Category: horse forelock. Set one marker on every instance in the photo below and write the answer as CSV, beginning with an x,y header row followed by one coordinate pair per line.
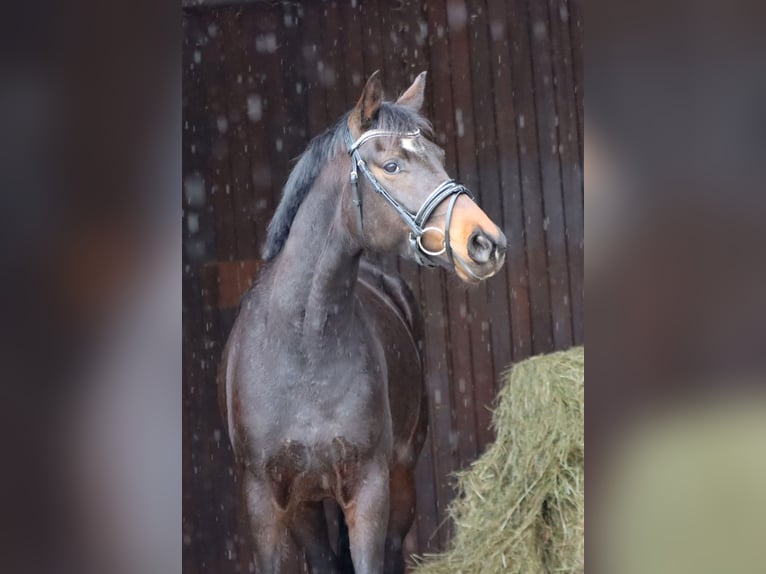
x,y
321,150
397,118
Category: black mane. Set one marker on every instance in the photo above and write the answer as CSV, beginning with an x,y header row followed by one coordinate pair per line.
x,y
318,153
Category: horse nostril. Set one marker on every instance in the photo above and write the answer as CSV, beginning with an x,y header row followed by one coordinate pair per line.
x,y
501,244
480,247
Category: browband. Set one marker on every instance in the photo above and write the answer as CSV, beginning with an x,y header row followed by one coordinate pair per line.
x,y
368,135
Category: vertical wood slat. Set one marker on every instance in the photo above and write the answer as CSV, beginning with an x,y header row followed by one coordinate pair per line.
x,y
352,54
221,488
199,215
193,157
266,25
213,70
470,303
237,50
575,10
311,27
570,159
293,77
493,69
549,152
506,132
332,62
199,542
496,334
531,184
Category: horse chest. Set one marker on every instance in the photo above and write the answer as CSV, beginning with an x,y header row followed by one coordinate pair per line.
x,y
298,398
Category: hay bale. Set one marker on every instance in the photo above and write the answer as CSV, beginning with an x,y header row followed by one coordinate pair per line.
x,y
520,506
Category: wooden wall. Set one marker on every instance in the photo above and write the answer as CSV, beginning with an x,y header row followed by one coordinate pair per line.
x,y
505,96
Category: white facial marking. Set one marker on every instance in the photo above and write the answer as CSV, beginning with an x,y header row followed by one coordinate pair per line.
x,y
410,144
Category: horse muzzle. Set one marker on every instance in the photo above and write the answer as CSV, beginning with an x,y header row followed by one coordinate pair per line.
x,y
482,256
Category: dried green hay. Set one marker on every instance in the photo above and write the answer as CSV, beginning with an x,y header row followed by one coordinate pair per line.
x,y
520,506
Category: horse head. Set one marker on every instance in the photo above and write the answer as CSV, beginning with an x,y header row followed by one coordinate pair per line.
x,y
403,200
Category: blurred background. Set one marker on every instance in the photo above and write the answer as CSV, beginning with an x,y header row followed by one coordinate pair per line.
x,y
90,385
676,275
505,94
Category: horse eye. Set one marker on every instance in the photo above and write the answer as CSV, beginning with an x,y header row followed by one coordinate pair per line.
x,y
391,167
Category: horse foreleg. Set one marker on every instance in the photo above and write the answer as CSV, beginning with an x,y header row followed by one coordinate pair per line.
x,y
367,519
267,532
309,529
401,516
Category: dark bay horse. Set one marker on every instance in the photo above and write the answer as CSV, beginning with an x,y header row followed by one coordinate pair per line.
x,y
321,384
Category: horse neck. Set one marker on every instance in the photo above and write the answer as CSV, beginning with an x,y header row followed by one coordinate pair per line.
x,y
318,267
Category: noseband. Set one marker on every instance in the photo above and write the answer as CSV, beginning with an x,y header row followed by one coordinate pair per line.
x,y
415,221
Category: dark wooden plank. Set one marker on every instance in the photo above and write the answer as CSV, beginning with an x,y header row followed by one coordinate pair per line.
x,y
550,169
192,102
476,319
510,181
199,222
247,201
193,549
202,545
271,55
571,171
290,49
439,400
198,237
331,67
234,278
352,53
372,37
531,187
213,62
259,145
233,551
214,464
312,31
492,343
577,34
238,47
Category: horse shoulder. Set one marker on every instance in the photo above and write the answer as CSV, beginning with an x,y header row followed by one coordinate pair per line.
x,y
396,318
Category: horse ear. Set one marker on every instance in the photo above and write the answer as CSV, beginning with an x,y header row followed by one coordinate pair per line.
x,y
368,105
414,95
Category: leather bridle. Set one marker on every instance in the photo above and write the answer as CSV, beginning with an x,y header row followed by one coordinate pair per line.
x,y
415,221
